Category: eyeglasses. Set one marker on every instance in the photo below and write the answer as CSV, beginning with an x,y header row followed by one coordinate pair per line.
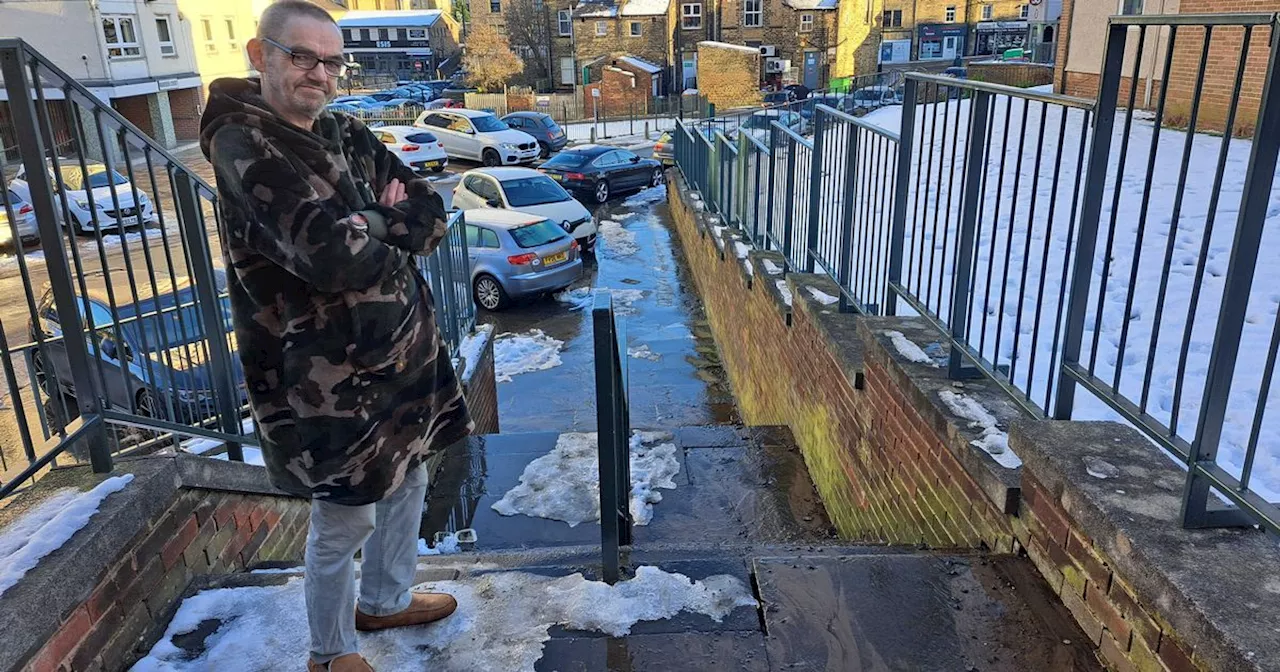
x,y
335,67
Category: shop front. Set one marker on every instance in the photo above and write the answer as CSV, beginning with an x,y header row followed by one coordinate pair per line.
x,y
941,41
996,37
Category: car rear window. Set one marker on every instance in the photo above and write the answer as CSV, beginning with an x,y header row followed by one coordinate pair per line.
x,y
538,233
421,138
538,190
568,160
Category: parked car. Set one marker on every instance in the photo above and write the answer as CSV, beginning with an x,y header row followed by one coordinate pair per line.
x,y
515,255
774,98
836,101
23,222
870,98
358,101
957,71
94,182
159,369
416,148
550,137
442,104
529,191
760,124
664,150
479,136
600,172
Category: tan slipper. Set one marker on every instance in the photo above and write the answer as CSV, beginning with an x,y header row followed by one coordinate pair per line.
x,y
425,608
352,662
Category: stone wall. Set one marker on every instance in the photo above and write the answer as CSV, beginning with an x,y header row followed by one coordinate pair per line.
x,y
729,75
894,464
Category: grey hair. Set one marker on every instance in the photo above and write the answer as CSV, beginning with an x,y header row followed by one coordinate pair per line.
x,y
274,19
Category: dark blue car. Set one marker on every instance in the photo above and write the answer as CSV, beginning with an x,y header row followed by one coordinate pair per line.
x,y
599,171
161,369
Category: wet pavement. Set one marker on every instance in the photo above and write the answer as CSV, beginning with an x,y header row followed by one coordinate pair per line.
x,y
675,374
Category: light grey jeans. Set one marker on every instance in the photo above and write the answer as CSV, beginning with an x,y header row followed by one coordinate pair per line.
x,y
388,532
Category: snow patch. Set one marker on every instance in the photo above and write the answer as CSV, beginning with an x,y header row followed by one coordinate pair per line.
x,y
49,525
908,349
741,249
771,268
584,298
565,483
618,241
725,45
514,354
472,347
280,570
784,290
502,623
648,196
993,440
447,545
821,296
201,446
643,352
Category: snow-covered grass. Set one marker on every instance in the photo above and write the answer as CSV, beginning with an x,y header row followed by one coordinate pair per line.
x,y
47,526
502,623
514,354
565,483
908,349
993,440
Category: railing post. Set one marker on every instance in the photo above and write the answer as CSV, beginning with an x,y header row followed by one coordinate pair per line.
x,y
613,434
815,191
773,169
845,268
976,148
1239,281
1090,217
790,207
902,186
32,150
226,399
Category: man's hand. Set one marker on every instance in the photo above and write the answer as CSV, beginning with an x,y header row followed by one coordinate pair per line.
x,y
392,194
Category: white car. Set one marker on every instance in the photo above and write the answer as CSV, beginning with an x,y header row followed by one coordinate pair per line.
x,y
416,148
79,190
479,136
529,191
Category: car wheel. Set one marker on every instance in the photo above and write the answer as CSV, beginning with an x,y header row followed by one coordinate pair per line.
x,y
490,158
489,293
40,373
602,191
145,405
657,178
544,150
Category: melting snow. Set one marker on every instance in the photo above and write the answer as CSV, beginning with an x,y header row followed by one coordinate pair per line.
x,y
784,290
643,352
908,349
47,526
565,483
821,296
584,298
771,268
201,446
993,440
618,241
448,545
472,347
514,354
502,623
649,196
741,249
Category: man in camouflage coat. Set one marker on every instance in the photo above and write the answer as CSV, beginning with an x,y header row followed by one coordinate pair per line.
x,y
346,372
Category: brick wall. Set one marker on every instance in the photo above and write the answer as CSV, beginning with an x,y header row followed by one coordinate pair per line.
x,y
480,387
1012,74
186,106
651,45
135,109
729,77
203,532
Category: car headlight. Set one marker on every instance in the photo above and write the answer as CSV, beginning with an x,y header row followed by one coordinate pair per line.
x,y
83,205
509,146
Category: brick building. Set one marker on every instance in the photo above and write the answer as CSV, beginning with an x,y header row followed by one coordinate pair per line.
x,y
859,37
998,25
605,29
627,85
797,38
729,74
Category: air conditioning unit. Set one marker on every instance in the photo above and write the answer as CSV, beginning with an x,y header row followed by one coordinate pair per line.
x,y
768,50
775,65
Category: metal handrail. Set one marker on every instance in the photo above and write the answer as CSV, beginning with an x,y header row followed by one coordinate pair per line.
x,y
613,417
1004,90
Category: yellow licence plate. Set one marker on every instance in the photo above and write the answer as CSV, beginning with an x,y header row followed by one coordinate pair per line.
x,y
556,177
555,259
431,164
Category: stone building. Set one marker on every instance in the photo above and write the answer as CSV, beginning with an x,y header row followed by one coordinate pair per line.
x,y
796,38
998,25
859,35
729,74
403,43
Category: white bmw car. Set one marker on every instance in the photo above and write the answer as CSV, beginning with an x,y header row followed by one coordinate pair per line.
x,y
89,197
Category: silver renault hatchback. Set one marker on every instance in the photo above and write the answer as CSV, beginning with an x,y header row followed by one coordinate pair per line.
x,y
515,255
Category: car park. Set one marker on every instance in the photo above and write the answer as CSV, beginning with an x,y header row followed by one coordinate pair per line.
x,y
89,196
529,191
544,129
416,148
515,255
479,136
599,171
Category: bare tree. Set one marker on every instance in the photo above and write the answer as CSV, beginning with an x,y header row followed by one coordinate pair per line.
x,y
529,33
488,60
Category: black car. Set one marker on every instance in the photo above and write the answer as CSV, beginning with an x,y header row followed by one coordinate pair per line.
x,y
600,171
544,129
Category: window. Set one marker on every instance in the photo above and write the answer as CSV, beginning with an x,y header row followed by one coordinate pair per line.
x,y
437,120
636,28
495,6
1024,11
393,34
383,34
478,237
566,23
350,35
122,39
1130,7
752,13
986,12
167,47
206,27
950,15
417,33
566,70
460,125
231,34
893,18
602,28
806,22
691,15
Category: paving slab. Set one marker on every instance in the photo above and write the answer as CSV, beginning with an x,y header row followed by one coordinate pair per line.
x,y
685,652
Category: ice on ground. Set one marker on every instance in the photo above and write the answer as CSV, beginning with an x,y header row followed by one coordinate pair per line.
x,y
502,623
47,526
908,349
446,546
584,298
648,196
514,354
821,296
565,483
472,347
618,241
771,268
994,440
643,352
784,290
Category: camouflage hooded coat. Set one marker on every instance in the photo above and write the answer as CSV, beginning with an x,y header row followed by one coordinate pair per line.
x,y
347,376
